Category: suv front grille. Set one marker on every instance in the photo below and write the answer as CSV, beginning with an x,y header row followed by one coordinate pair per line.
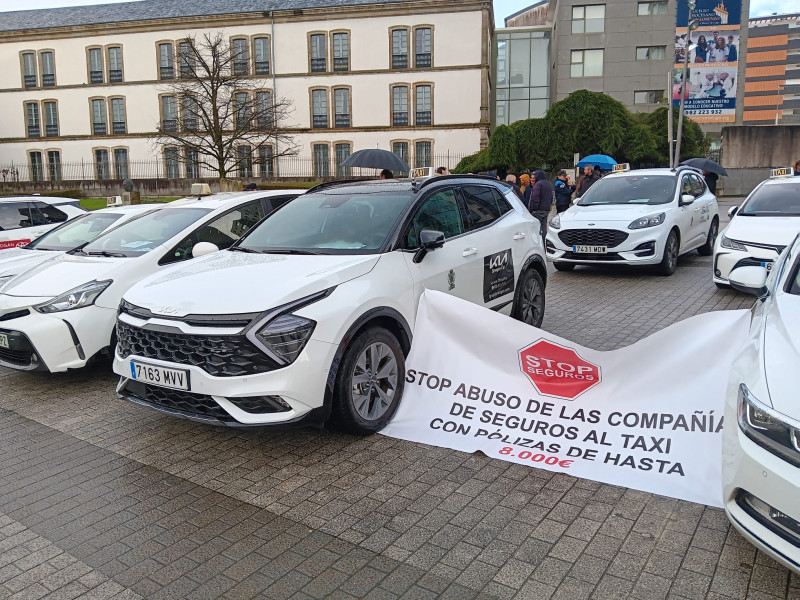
x,y
217,355
177,400
592,237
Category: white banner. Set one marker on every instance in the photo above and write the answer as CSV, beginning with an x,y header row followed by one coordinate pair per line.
x,y
647,417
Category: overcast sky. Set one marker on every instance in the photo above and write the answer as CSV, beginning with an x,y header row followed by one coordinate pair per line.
x,y
502,8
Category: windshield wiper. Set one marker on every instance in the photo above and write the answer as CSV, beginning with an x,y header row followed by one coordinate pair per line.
x,y
242,249
289,251
105,253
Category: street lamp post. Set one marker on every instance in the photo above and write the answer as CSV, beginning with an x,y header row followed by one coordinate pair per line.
x,y
691,25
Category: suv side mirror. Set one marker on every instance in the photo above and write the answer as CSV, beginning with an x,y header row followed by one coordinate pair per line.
x,y
732,211
750,280
686,199
203,248
429,240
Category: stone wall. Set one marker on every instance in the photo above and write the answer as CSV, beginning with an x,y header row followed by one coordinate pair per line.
x,y
760,146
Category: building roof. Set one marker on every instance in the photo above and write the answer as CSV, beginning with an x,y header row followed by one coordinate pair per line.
x,y
148,10
773,19
526,9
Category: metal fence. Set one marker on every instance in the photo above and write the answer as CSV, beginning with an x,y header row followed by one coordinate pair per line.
x,y
290,167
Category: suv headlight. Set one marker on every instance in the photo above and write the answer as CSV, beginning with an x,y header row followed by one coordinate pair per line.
x,y
286,336
645,222
732,244
555,222
83,295
767,428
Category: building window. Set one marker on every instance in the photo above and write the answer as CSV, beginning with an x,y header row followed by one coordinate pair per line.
x,y
652,8
118,115
241,58
422,151
319,109
169,118
399,48
189,112
423,47
261,55
120,163
648,97
99,117
50,109
341,52
171,164
37,167
244,160
399,105
341,105
192,163
588,19
96,65
48,69
187,60
166,62
29,69
342,152
101,165
651,52
264,117
401,150
32,117
241,101
586,63
318,53
115,64
423,104
266,161
54,165
321,162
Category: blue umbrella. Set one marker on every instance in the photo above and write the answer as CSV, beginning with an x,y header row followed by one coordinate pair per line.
x,y
601,160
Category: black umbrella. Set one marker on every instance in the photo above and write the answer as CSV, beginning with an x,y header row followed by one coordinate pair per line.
x,y
705,164
375,158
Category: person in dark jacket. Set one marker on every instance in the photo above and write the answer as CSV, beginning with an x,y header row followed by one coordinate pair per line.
x,y
711,181
563,191
587,180
540,199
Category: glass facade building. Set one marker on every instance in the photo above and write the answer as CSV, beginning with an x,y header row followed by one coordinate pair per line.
x,y
522,74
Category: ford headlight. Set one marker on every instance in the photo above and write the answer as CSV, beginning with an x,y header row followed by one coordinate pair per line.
x,y
645,222
286,336
767,428
732,244
555,222
79,297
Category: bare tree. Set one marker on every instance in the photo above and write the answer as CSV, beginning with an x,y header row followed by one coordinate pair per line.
x,y
216,113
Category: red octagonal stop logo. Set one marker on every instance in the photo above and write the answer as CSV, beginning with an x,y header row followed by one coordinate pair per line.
x,y
557,371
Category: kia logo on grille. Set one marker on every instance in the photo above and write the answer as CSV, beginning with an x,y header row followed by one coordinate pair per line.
x,y
591,224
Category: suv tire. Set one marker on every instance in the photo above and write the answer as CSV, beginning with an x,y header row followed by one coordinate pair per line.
x,y
529,299
669,260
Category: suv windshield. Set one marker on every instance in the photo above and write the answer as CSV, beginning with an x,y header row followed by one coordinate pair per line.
x,y
139,236
782,200
329,223
75,232
631,189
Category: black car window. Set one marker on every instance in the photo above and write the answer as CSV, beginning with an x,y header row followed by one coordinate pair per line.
x,y
686,185
481,205
439,213
275,202
50,213
698,187
502,204
14,215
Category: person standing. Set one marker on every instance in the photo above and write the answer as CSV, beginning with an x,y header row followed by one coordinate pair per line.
x,y
387,174
524,182
512,179
797,168
563,190
586,181
711,181
540,200
733,53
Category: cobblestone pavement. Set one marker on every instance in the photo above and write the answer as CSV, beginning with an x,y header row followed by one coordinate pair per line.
x,y
102,499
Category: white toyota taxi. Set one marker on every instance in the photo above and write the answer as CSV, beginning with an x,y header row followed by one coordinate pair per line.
x,y
59,314
765,223
310,315
25,218
761,437
641,217
67,236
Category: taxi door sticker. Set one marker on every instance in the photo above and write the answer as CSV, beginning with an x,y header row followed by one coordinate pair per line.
x,y
13,244
498,275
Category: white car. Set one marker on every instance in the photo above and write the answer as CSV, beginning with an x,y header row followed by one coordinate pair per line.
x,y
59,314
67,236
766,222
761,437
311,314
641,217
25,218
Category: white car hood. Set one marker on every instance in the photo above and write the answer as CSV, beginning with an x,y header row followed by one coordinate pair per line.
x,y
775,231
22,260
234,282
782,353
598,213
62,273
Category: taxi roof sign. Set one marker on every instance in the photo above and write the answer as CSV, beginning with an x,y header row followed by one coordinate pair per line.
x,y
421,173
114,201
781,172
621,168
